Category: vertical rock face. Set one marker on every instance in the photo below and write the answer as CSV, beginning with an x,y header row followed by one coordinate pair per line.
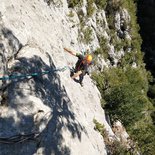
x,y
45,114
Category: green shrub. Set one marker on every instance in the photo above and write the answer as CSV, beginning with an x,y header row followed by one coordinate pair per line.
x,y
144,135
74,3
104,49
90,8
87,35
71,14
134,27
116,148
126,104
125,93
100,82
124,89
101,4
103,41
113,6
110,21
99,127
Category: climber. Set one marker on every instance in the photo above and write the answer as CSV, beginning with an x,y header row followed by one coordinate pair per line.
x,y
81,66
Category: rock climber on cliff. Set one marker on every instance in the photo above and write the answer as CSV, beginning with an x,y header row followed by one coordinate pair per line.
x,y
81,66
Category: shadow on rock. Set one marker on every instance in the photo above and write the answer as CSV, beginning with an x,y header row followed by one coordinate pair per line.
x,y
48,89
14,43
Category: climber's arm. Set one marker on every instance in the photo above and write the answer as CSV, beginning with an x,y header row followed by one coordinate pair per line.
x,y
71,52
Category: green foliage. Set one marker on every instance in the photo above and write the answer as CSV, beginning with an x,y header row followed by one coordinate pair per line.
x,y
90,8
136,39
103,50
101,4
125,93
124,89
118,149
113,6
100,81
71,14
87,31
132,57
87,35
110,20
115,147
74,3
124,44
103,41
126,104
99,127
144,134
118,43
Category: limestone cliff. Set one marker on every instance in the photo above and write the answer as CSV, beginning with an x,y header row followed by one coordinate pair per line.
x,y
46,114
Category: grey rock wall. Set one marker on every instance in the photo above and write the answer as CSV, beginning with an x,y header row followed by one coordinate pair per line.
x,y
46,114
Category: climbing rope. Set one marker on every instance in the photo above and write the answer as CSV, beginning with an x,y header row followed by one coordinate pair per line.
x,y
19,138
20,76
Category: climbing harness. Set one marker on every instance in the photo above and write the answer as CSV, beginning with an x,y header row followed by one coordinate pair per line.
x,y
21,76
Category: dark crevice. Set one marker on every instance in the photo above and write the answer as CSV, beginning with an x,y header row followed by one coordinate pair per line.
x,y
146,20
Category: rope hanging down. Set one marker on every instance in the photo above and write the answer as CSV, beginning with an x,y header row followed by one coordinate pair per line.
x,y
20,76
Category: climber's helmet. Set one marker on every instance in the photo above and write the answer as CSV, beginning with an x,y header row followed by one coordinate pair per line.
x,y
88,58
